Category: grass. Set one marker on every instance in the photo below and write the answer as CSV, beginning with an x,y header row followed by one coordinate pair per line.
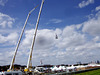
x,y
94,72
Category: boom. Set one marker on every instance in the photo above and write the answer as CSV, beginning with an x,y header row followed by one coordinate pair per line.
x,y
32,45
13,59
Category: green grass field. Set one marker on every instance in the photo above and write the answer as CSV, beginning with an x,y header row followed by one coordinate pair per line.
x,y
94,72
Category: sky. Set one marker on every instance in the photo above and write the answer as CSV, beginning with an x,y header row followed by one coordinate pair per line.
x,y
76,23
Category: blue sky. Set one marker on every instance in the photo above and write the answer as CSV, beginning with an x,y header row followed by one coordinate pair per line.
x,y
76,22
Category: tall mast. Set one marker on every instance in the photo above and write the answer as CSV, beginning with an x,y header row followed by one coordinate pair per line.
x,y
32,45
13,59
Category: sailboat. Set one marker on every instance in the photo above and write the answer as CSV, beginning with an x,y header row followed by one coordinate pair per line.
x,y
27,70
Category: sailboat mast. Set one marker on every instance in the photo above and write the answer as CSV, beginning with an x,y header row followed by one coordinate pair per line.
x,y
13,59
32,45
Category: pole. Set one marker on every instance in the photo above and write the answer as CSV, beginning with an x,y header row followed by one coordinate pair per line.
x,y
31,50
13,59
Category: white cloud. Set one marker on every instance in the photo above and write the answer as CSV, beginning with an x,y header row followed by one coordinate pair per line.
x,y
6,21
7,46
10,38
92,26
2,39
85,3
70,38
3,2
28,37
44,38
54,21
71,44
97,8
96,39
